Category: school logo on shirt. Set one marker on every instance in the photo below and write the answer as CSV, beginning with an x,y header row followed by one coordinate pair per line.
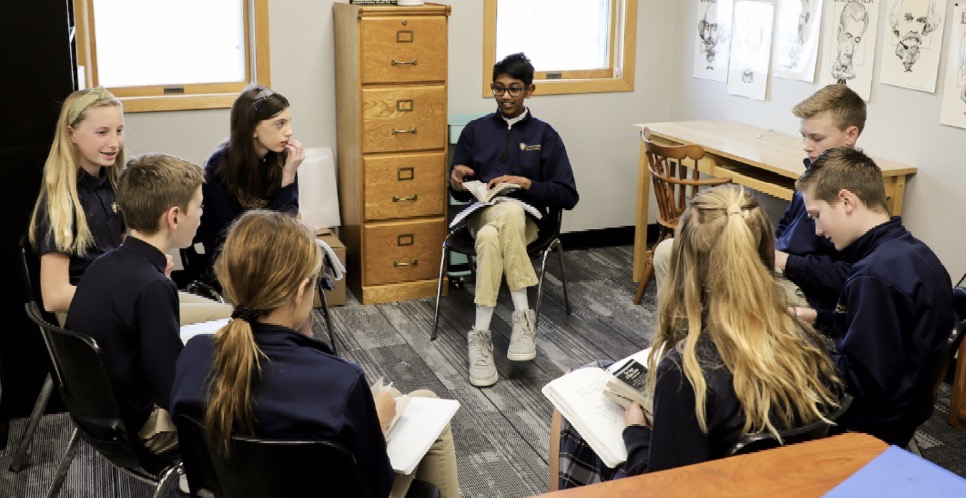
x,y
525,147
114,207
840,309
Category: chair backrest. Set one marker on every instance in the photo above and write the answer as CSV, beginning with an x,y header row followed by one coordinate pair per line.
x,y
87,390
30,262
750,443
946,355
268,467
674,171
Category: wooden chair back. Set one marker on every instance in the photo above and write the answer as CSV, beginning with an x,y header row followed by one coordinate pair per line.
x,y
674,171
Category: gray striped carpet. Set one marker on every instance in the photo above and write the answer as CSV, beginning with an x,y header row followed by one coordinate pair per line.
x,y
501,432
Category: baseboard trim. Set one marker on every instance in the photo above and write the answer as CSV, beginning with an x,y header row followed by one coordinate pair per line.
x,y
604,237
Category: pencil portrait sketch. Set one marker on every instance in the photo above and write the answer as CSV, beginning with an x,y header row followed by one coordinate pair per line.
x,y
848,45
713,39
853,22
916,34
750,49
953,112
796,38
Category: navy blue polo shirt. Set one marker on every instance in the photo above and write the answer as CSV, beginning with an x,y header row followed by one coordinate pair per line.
x,y
127,304
99,201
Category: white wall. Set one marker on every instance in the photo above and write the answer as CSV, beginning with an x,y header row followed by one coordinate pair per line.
x,y
596,128
902,125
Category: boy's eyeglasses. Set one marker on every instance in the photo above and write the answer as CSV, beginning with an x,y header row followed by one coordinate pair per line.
x,y
515,91
264,94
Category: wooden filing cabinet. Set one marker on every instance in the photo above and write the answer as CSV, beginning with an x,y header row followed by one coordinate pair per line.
x,y
391,112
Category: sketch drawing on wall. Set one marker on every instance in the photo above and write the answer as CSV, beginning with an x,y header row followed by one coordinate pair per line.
x,y
750,49
953,112
849,45
917,33
713,39
796,38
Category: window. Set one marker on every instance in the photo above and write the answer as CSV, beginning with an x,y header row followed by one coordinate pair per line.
x,y
578,46
168,55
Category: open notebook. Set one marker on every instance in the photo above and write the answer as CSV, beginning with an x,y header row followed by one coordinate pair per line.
x,y
420,423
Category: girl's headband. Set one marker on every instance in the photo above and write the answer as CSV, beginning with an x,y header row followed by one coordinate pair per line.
x,y
85,101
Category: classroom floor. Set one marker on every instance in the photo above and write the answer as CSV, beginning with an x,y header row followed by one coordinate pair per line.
x,y
501,432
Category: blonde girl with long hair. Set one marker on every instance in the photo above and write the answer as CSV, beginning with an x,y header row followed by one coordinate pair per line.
x,y
728,358
259,375
75,218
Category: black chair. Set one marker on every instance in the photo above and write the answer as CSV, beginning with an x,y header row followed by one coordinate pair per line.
x,y
459,240
750,443
86,389
270,467
30,263
938,372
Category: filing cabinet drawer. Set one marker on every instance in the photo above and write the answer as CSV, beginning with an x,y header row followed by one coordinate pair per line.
x,y
404,186
403,119
403,49
403,251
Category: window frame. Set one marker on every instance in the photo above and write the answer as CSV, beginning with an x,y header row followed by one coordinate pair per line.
x,y
576,81
180,97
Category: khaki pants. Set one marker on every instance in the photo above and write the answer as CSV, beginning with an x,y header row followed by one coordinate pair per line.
x,y
437,467
502,232
662,264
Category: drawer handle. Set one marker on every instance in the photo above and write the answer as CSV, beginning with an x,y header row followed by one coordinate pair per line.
x,y
414,62
405,199
396,264
396,132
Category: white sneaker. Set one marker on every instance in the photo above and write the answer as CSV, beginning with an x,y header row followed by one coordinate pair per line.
x,y
482,369
523,339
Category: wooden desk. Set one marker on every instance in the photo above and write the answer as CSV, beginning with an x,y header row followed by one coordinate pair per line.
x,y
765,160
803,469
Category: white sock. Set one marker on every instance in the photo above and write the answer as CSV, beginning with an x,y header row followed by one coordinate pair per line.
x,y
520,300
483,316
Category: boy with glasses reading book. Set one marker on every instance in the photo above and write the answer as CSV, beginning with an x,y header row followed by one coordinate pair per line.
x,y
509,146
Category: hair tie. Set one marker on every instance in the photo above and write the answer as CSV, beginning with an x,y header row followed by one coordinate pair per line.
x,y
93,95
734,210
245,313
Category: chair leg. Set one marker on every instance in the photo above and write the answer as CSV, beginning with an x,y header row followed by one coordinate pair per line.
x,y
563,275
645,279
169,477
18,457
439,291
328,320
543,271
64,465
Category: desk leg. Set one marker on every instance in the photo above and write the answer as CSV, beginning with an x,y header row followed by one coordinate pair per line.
x,y
643,203
957,402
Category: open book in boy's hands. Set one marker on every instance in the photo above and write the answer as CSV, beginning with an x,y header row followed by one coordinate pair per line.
x,y
486,196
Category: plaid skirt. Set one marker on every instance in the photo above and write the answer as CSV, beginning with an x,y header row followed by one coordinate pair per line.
x,y
579,465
